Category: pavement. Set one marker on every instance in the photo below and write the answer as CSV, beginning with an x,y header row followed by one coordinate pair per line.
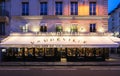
x,y
114,60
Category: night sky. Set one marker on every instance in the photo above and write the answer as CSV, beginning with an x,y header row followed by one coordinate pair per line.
x,y
112,4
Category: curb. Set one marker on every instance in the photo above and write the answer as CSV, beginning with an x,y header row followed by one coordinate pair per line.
x,y
60,64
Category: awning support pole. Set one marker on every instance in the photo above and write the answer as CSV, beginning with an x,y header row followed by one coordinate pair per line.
x,y
115,50
109,51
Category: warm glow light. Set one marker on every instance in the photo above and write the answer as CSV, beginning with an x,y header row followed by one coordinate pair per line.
x,y
101,30
116,33
35,28
83,10
82,29
67,29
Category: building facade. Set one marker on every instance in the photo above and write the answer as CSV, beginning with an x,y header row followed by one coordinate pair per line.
x,y
57,30
114,21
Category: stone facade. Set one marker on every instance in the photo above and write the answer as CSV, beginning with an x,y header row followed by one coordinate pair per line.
x,y
83,19
114,21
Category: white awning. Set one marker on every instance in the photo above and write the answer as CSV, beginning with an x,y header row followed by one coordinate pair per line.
x,y
60,41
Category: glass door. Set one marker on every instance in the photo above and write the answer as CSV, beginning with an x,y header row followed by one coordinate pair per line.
x,y
62,52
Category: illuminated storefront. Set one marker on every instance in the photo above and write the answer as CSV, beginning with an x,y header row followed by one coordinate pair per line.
x,y
56,46
57,30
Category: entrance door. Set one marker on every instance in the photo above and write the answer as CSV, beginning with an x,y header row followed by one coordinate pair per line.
x,y
63,52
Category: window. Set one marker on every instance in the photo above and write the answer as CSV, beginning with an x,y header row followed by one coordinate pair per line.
x,y
39,52
25,8
92,8
43,8
59,8
43,27
2,8
59,28
74,8
92,27
28,52
24,28
2,28
73,28
49,52
71,52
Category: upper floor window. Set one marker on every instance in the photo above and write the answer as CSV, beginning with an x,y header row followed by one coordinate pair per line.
x,y
43,27
2,8
25,8
92,27
24,28
59,28
59,8
2,28
92,8
73,27
74,8
43,8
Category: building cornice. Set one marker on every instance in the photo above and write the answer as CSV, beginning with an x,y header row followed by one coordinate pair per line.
x,y
62,17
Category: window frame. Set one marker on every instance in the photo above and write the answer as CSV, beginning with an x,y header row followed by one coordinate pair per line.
x,y
92,8
43,8
25,8
74,8
59,8
93,27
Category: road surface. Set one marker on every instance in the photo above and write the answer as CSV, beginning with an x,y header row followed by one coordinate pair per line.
x,y
59,70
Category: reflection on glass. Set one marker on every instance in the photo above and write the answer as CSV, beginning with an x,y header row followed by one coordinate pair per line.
x,y
99,52
29,52
71,52
90,52
39,52
80,52
19,52
49,52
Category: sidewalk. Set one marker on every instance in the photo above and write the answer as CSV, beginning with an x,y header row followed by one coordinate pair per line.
x,y
114,60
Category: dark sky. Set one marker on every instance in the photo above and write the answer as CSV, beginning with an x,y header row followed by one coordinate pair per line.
x,y
112,4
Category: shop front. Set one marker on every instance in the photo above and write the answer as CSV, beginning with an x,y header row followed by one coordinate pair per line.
x,y
55,48
54,54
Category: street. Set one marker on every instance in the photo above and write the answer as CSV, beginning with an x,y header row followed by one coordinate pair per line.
x,y
59,70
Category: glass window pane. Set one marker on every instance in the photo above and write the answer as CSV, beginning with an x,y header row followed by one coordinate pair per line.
x,y
43,8
74,8
58,8
92,8
25,8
